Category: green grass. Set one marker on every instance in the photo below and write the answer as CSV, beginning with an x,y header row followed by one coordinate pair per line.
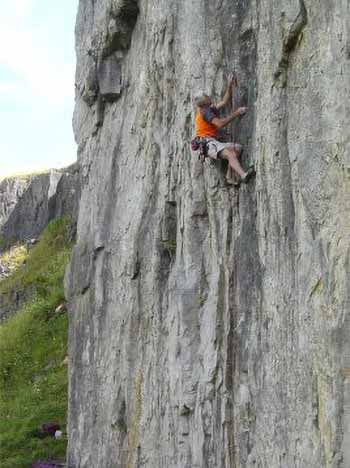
x,y
15,257
46,263
33,346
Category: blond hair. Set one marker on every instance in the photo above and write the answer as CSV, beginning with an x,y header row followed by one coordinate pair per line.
x,y
201,100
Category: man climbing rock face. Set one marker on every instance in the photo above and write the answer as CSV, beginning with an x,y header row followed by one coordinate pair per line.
x,y
209,126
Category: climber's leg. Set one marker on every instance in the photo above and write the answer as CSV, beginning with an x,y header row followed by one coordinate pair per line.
x,y
238,148
232,157
229,174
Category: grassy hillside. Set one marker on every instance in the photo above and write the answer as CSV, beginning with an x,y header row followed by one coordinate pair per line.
x,y
33,347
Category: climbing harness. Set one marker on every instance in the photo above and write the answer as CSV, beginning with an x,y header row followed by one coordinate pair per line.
x,y
200,144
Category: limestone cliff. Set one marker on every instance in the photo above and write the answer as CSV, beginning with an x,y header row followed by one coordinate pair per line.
x,y
27,211
209,325
28,203
11,190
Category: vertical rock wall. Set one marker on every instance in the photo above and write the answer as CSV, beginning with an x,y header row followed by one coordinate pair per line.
x,y
11,190
209,325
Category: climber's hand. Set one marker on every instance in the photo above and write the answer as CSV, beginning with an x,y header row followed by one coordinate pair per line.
x,y
242,110
233,80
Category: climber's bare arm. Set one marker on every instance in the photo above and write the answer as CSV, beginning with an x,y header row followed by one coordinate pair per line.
x,y
228,94
226,99
220,123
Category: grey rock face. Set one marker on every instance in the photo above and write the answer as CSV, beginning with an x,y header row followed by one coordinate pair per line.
x,y
109,78
29,215
27,205
65,200
102,53
209,325
11,190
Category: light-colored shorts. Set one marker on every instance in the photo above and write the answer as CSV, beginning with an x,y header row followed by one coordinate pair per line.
x,y
215,147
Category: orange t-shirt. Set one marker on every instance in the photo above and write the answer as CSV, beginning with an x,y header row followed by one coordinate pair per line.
x,y
203,127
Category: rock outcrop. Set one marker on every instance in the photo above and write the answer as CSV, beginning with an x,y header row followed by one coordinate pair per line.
x,y
209,326
27,204
11,190
65,200
29,215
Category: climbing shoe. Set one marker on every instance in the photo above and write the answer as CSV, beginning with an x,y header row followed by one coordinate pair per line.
x,y
232,181
249,175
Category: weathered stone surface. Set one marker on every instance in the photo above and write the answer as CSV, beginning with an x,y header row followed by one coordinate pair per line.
x,y
65,201
11,190
105,32
30,214
28,204
209,325
110,78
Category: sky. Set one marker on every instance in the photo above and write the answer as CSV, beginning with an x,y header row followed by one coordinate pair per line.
x,y
37,66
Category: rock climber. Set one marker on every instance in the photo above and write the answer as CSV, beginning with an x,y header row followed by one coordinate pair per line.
x,y
209,126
